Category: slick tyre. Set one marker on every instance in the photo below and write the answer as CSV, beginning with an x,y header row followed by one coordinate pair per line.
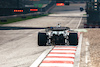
x,y
42,39
73,39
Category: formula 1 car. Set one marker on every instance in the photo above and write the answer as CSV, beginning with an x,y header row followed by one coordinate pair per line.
x,y
57,36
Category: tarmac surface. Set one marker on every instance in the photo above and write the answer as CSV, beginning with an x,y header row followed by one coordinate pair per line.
x,y
19,48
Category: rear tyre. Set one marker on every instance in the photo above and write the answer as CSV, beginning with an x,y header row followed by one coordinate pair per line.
x,y
42,39
73,39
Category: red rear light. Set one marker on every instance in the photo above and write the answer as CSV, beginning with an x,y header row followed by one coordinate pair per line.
x,y
33,9
18,10
59,4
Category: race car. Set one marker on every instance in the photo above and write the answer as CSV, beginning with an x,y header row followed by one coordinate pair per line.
x,y
58,36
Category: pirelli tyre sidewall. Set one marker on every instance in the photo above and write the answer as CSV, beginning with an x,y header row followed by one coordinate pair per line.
x,y
42,39
73,39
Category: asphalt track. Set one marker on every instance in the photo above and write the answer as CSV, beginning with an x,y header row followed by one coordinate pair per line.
x,y
18,44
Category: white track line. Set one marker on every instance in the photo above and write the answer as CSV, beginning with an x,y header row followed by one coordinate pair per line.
x,y
56,65
77,55
39,60
86,57
64,48
87,53
71,55
63,51
79,23
59,59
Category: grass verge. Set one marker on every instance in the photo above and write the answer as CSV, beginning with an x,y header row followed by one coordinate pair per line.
x,y
12,20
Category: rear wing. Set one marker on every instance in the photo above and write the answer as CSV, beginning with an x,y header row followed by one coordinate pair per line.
x,y
57,28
